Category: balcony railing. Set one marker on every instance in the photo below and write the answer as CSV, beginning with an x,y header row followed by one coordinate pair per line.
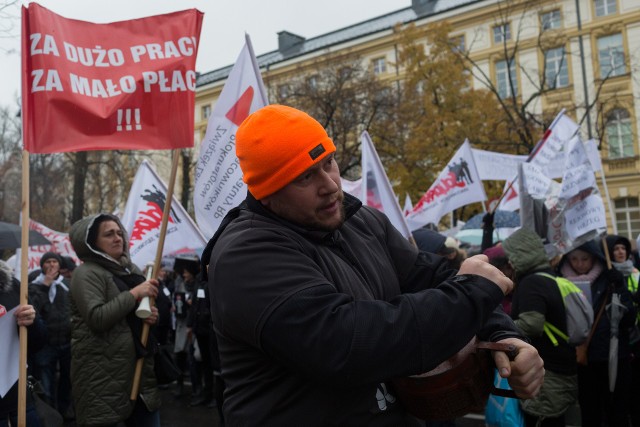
x,y
626,164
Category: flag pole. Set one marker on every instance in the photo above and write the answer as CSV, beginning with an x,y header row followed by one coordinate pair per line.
x,y
606,192
24,288
135,388
535,150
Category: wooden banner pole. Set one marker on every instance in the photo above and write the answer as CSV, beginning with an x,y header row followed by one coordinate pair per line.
x,y
135,388
24,289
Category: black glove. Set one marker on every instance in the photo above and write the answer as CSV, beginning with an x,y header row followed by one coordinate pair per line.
x,y
615,278
487,220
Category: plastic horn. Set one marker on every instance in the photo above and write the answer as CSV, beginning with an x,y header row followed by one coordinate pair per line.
x,y
144,309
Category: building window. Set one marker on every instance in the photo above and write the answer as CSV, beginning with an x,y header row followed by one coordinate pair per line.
x,y
205,111
501,33
551,20
313,81
283,91
611,56
457,43
507,83
628,217
379,65
605,7
555,68
619,136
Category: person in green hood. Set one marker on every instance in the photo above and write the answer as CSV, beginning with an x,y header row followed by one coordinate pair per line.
x,y
105,291
536,300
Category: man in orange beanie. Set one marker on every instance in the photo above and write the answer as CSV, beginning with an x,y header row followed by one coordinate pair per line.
x,y
317,301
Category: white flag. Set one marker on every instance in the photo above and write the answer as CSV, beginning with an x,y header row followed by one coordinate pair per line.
x,y
543,156
376,188
585,213
408,206
494,166
142,219
60,244
457,185
218,178
567,214
352,187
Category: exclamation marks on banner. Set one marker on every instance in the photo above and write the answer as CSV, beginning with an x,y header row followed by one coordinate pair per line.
x,y
124,119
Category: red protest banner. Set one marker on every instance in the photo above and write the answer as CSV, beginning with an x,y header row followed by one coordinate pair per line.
x,y
122,85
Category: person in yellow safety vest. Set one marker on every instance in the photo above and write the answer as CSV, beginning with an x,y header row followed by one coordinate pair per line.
x,y
620,253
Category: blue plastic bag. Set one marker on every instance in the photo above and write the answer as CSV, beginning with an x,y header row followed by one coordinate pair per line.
x,y
503,411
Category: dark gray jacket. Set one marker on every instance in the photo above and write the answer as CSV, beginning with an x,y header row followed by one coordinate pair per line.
x,y
311,324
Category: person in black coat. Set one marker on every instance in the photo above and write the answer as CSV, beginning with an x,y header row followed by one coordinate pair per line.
x,y
199,325
587,265
49,293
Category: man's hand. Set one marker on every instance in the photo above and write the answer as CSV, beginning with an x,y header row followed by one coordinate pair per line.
x,y
25,315
479,265
50,274
153,319
525,373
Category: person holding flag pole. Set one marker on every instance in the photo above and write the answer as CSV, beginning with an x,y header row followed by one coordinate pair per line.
x,y
138,111
335,301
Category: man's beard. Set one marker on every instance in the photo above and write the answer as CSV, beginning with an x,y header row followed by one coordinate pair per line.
x,y
321,227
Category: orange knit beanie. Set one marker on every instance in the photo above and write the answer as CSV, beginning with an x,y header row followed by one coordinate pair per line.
x,y
276,144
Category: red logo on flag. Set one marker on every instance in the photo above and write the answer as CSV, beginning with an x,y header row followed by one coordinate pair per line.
x,y
512,195
152,218
241,108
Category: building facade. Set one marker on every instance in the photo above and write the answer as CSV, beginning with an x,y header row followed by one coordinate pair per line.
x,y
547,54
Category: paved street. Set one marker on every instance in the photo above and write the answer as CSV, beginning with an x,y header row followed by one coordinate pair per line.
x,y
176,412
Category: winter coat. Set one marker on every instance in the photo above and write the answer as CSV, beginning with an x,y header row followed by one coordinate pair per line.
x,y
311,324
537,299
199,317
599,346
56,314
103,355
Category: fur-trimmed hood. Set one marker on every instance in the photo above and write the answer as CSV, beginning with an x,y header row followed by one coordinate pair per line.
x,y
6,277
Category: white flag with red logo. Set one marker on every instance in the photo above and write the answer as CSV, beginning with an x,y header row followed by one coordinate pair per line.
x,y
457,185
218,178
543,156
408,206
352,187
376,188
60,244
142,219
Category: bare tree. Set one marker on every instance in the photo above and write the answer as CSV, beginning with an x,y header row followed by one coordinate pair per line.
x,y
344,96
545,83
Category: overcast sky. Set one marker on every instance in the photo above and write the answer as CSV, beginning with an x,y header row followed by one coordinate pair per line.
x,y
224,25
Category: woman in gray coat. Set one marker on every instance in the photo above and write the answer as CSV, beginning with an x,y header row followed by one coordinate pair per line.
x,y
104,294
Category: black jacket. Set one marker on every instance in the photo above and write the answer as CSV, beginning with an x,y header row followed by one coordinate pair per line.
x,y
311,324
199,317
56,315
601,290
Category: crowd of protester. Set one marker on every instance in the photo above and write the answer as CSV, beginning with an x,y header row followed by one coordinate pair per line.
x,y
318,303
182,323
600,377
